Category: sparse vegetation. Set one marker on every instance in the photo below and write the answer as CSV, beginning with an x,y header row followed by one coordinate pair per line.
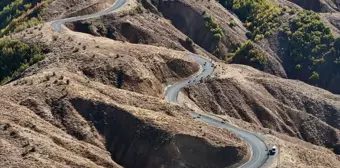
x,y
20,14
260,16
246,54
315,76
312,50
232,24
120,79
138,9
16,56
189,41
213,27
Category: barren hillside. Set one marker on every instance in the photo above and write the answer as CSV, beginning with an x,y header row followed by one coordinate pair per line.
x,y
72,97
282,105
93,94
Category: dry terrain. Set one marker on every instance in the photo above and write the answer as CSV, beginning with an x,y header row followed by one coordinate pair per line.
x,y
266,101
97,99
71,97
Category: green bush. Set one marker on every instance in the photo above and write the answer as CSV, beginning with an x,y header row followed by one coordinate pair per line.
x,y
309,50
259,37
232,24
260,16
309,41
315,76
213,27
248,55
16,56
217,37
249,35
10,12
298,67
312,48
139,8
189,41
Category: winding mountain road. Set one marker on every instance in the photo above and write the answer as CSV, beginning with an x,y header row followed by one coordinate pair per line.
x,y
56,25
257,146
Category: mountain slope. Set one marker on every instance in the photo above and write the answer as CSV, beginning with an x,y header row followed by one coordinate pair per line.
x,y
73,93
282,105
105,95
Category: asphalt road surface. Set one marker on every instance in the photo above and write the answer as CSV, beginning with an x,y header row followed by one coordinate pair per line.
x,y
56,25
257,146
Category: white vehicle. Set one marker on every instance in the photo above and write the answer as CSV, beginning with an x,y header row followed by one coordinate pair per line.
x,y
272,151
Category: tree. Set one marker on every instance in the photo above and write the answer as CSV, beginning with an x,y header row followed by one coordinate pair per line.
x,y
16,56
314,77
120,79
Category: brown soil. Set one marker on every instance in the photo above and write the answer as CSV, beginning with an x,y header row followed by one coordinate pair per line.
x,y
96,102
71,98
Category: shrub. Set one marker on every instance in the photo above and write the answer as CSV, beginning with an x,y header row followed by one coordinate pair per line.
x,y
232,24
120,79
259,37
16,56
310,42
247,54
260,16
298,67
315,76
139,8
189,41
213,27
249,35
217,37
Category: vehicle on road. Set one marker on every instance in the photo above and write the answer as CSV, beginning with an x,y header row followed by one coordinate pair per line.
x,y
272,151
223,121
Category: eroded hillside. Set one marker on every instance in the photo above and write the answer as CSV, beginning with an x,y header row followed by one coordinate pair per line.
x,y
73,96
93,94
282,105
